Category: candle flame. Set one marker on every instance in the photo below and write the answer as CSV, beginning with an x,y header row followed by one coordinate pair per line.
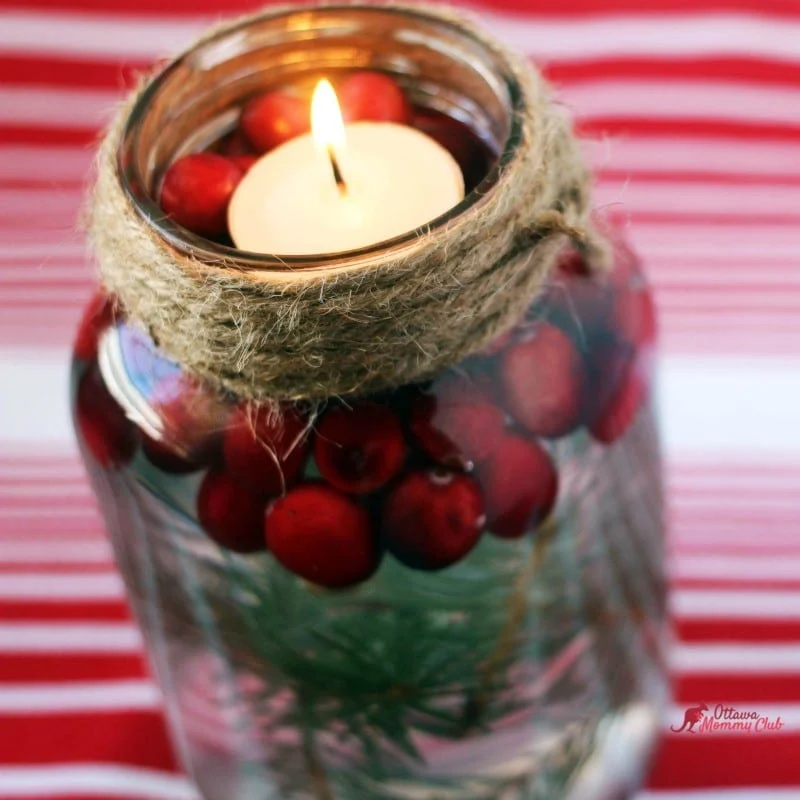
x,y
327,125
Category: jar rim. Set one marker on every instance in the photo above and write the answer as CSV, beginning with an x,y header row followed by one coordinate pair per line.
x,y
205,251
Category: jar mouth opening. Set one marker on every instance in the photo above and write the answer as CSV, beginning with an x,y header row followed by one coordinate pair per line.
x,y
139,186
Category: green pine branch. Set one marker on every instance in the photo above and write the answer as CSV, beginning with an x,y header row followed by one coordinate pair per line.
x,y
371,671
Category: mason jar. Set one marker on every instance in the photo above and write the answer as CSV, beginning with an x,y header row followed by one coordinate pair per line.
x,y
450,588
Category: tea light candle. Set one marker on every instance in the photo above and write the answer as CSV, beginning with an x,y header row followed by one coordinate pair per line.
x,y
342,188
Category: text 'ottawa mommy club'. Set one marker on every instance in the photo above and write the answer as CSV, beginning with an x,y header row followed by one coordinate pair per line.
x,y
700,719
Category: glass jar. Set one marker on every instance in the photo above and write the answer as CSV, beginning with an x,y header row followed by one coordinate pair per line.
x,y
452,589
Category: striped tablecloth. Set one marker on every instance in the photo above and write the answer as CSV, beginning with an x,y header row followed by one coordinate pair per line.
x,y
691,113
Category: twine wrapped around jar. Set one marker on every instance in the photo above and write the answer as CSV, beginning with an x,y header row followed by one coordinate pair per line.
x,y
389,317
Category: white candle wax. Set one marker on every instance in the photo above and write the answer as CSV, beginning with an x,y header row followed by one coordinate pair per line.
x,y
397,179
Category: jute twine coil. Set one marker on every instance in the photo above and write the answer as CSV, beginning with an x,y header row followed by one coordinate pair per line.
x,y
398,317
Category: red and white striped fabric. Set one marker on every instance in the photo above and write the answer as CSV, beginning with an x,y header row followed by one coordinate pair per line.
x,y
692,118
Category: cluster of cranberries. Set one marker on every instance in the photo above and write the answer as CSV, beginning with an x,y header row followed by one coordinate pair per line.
x,y
197,188
421,472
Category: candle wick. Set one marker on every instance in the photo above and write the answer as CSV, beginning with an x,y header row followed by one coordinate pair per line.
x,y
337,172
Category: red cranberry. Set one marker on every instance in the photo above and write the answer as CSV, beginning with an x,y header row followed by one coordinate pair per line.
x,y
244,162
626,263
571,263
633,317
373,96
322,536
108,434
271,119
519,485
458,424
231,514
471,154
235,144
196,192
359,449
543,378
451,134
620,391
192,417
266,450
433,518
98,316
632,314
